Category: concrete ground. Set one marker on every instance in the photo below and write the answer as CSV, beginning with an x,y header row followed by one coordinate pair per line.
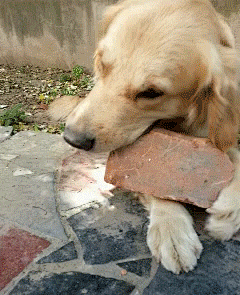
x,y
63,232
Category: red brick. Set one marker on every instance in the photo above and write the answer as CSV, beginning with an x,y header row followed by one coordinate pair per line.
x,y
171,166
17,249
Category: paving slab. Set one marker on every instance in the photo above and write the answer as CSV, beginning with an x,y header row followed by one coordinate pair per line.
x,y
28,162
65,253
141,267
105,251
114,233
39,144
71,283
5,132
217,273
18,249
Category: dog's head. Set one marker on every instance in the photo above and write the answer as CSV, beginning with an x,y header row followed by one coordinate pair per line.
x,y
159,60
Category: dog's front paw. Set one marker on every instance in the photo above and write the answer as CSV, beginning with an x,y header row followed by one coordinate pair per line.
x,y
224,221
174,242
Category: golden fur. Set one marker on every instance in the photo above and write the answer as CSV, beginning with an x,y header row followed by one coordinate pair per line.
x,y
183,53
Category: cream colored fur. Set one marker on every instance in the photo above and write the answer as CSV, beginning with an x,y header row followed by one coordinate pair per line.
x,y
61,108
185,49
171,236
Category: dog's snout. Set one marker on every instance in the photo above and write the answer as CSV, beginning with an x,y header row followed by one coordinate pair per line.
x,y
83,141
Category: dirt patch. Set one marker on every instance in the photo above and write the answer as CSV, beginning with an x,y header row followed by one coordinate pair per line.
x,y
35,88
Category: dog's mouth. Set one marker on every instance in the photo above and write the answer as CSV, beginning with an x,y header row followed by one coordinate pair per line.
x,y
88,142
168,124
174,125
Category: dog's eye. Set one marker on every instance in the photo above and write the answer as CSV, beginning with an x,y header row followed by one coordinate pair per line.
x,y
150,94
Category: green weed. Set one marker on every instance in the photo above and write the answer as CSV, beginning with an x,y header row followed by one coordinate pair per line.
x,y
77,71
65,78
13,116
86,82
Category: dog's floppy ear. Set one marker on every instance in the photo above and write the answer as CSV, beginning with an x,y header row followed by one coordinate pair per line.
x,y
109,15
226,36
223,109
112,11
216,101
223,115
215,104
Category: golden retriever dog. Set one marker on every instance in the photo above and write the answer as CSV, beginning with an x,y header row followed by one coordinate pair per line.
x,y
163,59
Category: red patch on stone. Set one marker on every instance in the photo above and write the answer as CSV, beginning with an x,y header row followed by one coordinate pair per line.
x,y
17,249
76,171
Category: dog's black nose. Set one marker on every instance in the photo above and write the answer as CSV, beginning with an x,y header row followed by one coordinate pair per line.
x,y
82,141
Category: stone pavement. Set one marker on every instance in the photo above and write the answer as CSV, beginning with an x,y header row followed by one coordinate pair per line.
x,y
62,231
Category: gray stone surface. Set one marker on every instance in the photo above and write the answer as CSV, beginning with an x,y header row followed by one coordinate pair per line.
x,y
108,253
65,253
217,273
39,144
141,267
28,162
115,233
5,133
71,283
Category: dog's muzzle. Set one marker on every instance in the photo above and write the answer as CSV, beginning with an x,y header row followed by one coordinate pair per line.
x,y
84,141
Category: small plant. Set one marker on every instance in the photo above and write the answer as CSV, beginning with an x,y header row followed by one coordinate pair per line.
x,y
86,82
53,92
69,90
46,99
23,70
54,129
65,78
12,116
48,96
62,127
36,127
77,72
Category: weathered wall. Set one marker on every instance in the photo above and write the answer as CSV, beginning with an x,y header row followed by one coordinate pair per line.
x,y
52,33
62,33
231,10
